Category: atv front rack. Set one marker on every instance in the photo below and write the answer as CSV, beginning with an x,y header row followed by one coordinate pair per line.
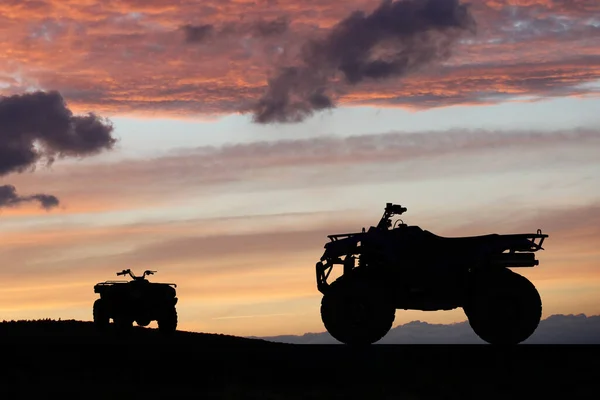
x,y
323,271
338,236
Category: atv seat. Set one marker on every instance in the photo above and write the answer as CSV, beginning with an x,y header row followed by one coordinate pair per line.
x,y
464,239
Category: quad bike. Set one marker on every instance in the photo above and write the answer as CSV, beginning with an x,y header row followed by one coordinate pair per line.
x,y
405,267
136,300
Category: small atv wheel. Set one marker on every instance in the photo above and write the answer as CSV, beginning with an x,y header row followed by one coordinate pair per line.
x,y
504,307
143,322
167,322
101,317
356,314
123,325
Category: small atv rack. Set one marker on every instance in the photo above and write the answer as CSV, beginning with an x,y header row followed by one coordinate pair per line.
x,y
108,283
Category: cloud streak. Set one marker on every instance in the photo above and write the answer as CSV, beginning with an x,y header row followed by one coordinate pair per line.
x,y
205,245
10,198
403,156
488,83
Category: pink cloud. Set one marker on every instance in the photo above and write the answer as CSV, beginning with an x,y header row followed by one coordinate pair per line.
x,y
131,57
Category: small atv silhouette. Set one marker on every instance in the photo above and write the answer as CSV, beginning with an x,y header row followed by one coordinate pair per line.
x,y
136,300
405,267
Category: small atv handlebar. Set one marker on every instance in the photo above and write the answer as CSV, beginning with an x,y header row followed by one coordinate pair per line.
x,y
128,272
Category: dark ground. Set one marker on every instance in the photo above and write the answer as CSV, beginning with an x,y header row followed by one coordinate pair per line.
x,y
69,359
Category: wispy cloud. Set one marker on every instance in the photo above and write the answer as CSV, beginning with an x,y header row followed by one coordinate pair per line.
x,y
10,198
209,170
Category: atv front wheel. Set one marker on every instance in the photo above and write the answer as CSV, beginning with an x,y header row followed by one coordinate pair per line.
x,y
504,307
101,317
356,314
167,323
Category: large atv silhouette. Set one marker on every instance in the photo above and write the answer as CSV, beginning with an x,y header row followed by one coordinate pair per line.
x,y
405,267
136,300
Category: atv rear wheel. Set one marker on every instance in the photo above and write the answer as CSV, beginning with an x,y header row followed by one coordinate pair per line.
x,y
355,313
503,307
101,317
167,322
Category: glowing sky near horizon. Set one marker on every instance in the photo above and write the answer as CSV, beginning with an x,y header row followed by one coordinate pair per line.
x,y
503,136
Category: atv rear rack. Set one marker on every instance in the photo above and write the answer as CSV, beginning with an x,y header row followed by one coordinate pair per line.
x,y
531,237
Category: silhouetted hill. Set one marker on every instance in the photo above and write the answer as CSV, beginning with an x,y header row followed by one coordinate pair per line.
x,y
556,329
52,331
69,359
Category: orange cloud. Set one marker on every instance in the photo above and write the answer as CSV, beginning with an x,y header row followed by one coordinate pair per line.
x,y
130,57
486,84
558,6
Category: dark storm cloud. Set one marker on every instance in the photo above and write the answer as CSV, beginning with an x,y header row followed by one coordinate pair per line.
x,y
10,198
276,26
395,39
197,34
259,28
39,126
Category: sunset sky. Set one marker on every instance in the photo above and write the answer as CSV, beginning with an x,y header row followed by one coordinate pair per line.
x,y
229,137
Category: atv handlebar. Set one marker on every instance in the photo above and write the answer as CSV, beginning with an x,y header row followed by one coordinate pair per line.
x,y
390,210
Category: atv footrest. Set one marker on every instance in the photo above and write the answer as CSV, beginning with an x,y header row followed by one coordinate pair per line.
x,y
514,260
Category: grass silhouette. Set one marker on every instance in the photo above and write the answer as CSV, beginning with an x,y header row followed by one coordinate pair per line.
x,y
69,358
